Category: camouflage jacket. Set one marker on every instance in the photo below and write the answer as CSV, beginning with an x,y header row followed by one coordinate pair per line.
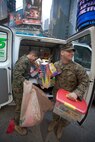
x,y
21,72
72,78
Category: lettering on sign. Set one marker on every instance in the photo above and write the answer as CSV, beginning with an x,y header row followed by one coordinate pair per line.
x,y
2,42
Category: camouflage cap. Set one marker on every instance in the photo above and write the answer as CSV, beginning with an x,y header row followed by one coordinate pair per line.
x,y
67,47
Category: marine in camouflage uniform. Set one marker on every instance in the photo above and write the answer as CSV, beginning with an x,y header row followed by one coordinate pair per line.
x,y
20,73
72,78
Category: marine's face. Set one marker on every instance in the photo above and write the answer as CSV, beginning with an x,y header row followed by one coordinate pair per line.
x,y
33,57
67,55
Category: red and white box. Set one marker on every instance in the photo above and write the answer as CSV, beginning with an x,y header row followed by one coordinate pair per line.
x,y
68,109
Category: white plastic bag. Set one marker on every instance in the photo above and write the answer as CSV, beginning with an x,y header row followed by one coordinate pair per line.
x,y
30,109
34,105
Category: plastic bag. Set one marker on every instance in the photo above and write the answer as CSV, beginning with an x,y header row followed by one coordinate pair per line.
x,y
30,109
44,102
34,105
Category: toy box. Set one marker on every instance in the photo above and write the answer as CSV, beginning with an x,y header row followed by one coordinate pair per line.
x,y
68,109
48,72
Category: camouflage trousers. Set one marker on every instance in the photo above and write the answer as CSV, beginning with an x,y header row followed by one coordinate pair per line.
x,y
61,120
17,96
56,117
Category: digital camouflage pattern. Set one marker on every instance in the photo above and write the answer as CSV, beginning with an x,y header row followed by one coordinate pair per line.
x,y
72,78
20,73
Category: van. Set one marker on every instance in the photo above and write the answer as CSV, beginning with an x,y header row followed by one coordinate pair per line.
x,y
15,44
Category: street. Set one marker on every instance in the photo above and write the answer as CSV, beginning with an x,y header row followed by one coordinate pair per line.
x,y
72,133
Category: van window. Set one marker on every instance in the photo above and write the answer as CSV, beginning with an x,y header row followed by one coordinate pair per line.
x,y
83,56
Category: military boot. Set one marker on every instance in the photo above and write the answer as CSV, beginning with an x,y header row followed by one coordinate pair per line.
x,y
21,130
59,131
61,125
52,125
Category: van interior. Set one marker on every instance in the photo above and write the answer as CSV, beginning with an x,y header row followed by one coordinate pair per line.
x,y
46,50
49,49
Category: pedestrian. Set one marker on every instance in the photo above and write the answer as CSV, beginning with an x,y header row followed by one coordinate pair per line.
x,y
73,78
20,73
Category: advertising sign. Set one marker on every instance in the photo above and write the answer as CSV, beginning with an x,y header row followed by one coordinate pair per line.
x,y
32,11
3,43
16,18
30,14
85,13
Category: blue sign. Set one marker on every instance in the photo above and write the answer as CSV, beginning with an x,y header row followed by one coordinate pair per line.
x,y
85,14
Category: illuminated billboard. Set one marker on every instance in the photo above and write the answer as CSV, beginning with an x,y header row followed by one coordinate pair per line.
x,y
85,14
16,18
31,14
32,11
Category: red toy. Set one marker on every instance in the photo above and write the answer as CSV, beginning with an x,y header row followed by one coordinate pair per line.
x,y
11,127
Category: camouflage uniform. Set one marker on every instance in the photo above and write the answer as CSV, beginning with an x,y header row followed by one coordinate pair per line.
x,y
72,78
20,73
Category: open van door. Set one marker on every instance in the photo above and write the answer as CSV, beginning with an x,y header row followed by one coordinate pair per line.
x,y
5,65
84,43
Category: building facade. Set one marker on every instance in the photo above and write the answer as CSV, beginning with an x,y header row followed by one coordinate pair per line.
x,y
11,4
63,18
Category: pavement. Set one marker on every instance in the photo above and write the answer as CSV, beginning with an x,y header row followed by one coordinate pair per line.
x,y
72,133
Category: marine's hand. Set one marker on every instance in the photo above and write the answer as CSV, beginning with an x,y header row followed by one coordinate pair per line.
x,y
72,96
26,81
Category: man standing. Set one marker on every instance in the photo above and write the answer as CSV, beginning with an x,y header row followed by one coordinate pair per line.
x,y
72,78
20,73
